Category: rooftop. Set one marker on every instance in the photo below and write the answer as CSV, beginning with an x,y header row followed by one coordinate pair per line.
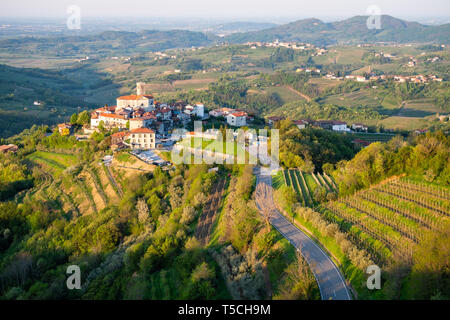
x,y
142,130
135,97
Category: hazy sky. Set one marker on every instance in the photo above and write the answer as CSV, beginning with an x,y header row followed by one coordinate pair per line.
x,y
223,8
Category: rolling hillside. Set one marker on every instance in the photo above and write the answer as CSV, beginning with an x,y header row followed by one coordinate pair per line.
x,y
117,42
352,30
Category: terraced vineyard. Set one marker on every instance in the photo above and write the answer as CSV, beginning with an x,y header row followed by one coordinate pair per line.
x,y
71,187
304,184
392,218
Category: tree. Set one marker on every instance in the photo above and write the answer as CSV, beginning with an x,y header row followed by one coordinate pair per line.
x,y
74,119
83,118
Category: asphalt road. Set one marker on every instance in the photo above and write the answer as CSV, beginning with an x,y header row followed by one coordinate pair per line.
x,y
331,282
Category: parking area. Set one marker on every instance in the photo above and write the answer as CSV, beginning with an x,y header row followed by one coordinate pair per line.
x,y
150,157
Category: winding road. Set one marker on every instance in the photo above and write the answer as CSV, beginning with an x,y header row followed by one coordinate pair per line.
x,y
331,283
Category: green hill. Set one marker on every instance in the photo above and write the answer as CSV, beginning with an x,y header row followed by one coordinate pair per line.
x,y
107,42
352,30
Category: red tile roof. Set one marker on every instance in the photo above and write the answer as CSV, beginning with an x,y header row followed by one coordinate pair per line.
x,y
239,114
135,97
120,134
111,115
106,108
9,147
142,130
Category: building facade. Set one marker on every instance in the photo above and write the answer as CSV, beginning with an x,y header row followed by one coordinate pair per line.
x,y
237,119
142,139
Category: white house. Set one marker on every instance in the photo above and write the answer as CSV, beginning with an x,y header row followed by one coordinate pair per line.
x,y
359,127
237,119
195,110
339,126
221,112
95,121
112,120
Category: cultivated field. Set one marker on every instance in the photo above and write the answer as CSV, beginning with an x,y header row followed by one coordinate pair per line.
x,y
390,219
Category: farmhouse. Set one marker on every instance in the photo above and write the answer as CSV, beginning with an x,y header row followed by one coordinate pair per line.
x,y
237,119
359,127
273,119
142,138
332,125
301,124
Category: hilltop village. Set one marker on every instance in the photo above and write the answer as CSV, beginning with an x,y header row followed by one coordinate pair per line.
x,y
140,122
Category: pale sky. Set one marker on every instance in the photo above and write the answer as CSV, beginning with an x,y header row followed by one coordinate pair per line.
x,y
223,8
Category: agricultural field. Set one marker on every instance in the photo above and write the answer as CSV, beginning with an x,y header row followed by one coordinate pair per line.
x,y
56,163
392,218
70,187
305,185
404,123
365,97
371,137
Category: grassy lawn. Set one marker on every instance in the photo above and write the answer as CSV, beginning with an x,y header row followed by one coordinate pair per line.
x,y
125,157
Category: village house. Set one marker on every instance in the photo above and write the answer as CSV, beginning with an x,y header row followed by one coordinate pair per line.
x,y
359,127
142,139
301,124
273,119
95,121
197,110
237,119
142,122
8,148
64,129
222,112
183,118
334,125
164,113
113,120
119,137
360,142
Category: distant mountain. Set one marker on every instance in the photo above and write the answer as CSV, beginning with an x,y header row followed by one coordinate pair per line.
x,y
349,31
234,27
117,42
